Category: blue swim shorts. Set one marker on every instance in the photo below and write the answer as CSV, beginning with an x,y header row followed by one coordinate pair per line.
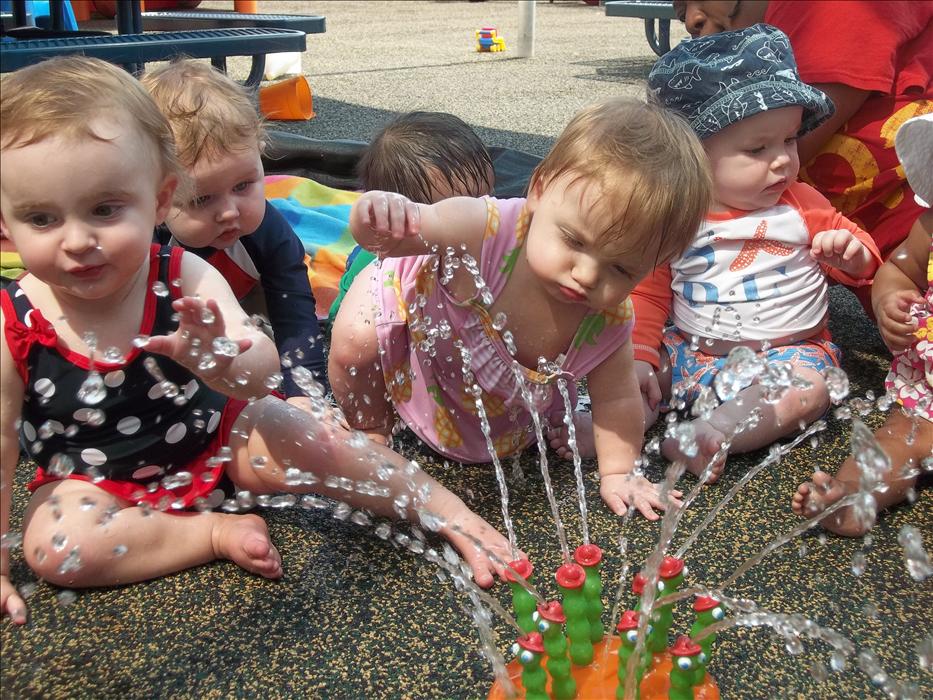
x,y
694,368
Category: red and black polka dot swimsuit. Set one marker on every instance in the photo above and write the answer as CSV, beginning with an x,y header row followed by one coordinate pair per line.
x,y
147,430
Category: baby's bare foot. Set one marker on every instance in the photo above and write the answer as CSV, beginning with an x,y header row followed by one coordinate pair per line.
x,y
244,540
586,443
818,494
708,442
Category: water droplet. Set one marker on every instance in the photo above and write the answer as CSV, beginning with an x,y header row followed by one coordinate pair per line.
x,y
66,597
225,347
92,390
11,540
72,562
819,671
61,465
159,288
858,563
207,362
207,316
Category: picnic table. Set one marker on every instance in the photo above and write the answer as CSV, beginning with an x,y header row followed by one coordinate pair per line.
x,y
657,15
213,35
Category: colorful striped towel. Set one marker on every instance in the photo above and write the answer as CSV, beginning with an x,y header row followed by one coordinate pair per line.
x,y
320,217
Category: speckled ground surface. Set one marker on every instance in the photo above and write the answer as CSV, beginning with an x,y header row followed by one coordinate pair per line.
x,y
355,617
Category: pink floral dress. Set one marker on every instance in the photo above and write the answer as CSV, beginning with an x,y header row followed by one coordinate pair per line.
x,y
425,334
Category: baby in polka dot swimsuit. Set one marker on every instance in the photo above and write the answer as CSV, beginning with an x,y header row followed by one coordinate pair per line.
x,y
131,375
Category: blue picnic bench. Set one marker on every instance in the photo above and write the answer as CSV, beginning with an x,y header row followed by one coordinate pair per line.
x,y
657,15
213,35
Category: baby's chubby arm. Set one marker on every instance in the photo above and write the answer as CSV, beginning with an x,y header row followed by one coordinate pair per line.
x,y
898,286
11,399
618,430
391,225
207,311
842,250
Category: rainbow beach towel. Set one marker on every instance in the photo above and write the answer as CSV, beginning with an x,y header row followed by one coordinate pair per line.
x,y
320,217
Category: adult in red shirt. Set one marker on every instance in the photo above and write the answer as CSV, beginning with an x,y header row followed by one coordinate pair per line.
x,y
875,61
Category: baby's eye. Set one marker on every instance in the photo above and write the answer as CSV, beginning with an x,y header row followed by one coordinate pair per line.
x,y
755,151
201,201
572,242
621,270
789,140
39,220
240,186
105,211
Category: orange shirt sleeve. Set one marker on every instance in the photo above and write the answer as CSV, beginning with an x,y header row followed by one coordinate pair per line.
x,y
651,300
819,215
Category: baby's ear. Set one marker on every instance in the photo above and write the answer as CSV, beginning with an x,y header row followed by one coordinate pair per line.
x,y
164,197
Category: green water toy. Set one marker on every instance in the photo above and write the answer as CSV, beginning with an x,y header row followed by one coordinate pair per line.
x,y
523,603
570,579
687,658
628,635
550,617
529,649
708,611
589,556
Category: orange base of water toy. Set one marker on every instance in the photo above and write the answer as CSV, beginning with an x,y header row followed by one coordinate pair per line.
x,y
601,682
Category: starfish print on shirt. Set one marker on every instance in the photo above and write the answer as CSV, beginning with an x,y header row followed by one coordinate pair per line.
x,y
750,250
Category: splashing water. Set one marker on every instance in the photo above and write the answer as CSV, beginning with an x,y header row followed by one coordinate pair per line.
x,y
915,556
577,461
542,459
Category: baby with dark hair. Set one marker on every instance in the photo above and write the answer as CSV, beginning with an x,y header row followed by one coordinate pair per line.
x,y
426,156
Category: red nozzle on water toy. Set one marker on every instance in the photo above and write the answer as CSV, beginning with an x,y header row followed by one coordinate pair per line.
x,y
704,603
522,567
533,642
685,647
570,576
588,555
628,622
671,567
552,612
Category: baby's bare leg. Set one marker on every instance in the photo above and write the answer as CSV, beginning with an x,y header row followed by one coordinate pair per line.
x,y
282,436
796,408
76,534
815,496
354,366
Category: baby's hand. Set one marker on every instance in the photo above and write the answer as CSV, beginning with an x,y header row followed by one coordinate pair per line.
x,y
895,322
379,220
10,601
619,491
840,249
200,324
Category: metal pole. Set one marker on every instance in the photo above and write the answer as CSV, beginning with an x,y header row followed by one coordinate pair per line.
x,y
526,29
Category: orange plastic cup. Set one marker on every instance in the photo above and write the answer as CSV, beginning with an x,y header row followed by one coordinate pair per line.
x,y
287,100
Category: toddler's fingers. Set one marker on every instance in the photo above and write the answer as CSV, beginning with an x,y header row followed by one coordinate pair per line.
x,y
379,213
16,609
644,507
412,219
398,216
852,249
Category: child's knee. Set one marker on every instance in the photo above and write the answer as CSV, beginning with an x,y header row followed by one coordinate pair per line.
x,y
807,405
64,537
